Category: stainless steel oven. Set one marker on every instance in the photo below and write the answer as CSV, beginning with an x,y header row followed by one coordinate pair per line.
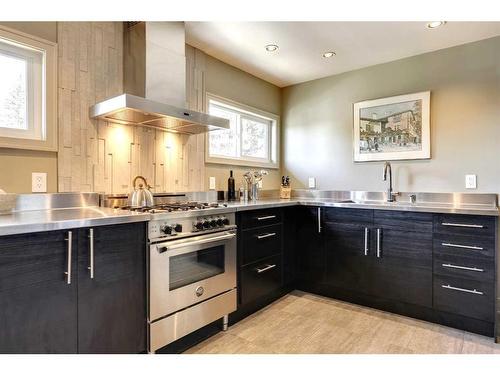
x,y
187,271
192,282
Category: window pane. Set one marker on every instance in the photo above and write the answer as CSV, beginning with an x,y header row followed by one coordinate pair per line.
x,y
13,93
254,138
224,142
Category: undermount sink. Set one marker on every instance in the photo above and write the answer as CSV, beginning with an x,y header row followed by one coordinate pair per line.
x,y
372,202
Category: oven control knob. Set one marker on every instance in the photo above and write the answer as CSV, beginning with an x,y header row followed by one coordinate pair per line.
x,y
199,225
220,223
213,223
167,229
225,221
206,224
178,228
199,291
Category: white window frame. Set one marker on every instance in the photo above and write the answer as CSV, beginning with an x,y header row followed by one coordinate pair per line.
x,y
252,113
42,112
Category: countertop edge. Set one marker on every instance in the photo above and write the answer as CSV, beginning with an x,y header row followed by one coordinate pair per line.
x,y
372,206
24,228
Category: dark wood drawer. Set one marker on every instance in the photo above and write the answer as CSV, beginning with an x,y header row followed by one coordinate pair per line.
x,y
403,220
475,246
257,218
481,269
260,243
465,225
348,215
260,279
465,297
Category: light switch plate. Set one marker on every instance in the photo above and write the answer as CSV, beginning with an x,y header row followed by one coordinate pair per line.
x,y
470,181
260,184
211,183
38,182
312,183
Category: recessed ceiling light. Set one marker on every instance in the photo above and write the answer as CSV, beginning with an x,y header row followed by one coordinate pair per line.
x,y
435,24
329,54
271,47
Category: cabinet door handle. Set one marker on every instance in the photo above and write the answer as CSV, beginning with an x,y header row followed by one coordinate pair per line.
x,y
261,236
366,241
463,225
266,217
70,250
461,246
319,219
266,268
378,242
91,252
447,265
473,291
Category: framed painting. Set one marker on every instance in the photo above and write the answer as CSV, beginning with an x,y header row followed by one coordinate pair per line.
x,y
393,128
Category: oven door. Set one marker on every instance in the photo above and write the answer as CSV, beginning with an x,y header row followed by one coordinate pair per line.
x,y
190,270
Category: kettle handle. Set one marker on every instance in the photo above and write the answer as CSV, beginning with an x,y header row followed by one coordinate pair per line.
x,y
146,185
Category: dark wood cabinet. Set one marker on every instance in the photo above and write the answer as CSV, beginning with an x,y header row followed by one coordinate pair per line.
x,y
402,267
261,242
349,264
260,257
38,311
310,247
470,298
385,254
112,304
402,246
290,245
465,265
261,279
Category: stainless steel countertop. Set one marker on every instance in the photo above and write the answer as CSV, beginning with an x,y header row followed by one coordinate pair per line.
x,y
396,206
65,218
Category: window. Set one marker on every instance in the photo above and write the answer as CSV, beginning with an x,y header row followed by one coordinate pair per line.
x,y
252,139
27,92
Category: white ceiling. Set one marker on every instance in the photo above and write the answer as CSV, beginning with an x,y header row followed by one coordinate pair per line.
x,y
301,44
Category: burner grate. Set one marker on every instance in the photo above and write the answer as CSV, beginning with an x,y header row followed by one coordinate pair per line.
x,y
175,206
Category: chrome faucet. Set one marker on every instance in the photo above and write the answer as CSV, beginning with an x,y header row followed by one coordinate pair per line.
x,y
390,194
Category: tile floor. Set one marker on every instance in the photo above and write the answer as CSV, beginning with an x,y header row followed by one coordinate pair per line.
x,y
305,323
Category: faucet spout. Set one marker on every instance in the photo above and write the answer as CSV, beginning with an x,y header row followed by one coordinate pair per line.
x,y
387,168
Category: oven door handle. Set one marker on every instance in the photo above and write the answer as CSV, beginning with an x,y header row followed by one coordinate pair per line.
x,y
195,241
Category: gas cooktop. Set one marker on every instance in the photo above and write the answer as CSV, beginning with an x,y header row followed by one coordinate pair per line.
x,y
175,206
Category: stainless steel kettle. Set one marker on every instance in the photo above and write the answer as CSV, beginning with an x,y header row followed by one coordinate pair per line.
x,y
141,196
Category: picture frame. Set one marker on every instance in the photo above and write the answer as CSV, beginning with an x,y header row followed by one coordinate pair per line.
x,y
392,128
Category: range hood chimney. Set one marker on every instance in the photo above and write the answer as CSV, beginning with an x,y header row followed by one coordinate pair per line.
x,y
155,83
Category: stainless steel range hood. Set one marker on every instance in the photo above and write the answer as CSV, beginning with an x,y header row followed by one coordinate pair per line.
x,y
129,109
154,81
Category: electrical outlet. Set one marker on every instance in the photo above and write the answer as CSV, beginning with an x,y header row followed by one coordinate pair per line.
x,y
470,181
211,183
38,182
312,183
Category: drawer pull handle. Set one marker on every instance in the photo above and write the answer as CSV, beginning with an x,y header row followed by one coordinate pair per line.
x,y
266,268
462,290
463,225
262,236
463,268
366,241
266,217
378,242
70,253
91,253
461,246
